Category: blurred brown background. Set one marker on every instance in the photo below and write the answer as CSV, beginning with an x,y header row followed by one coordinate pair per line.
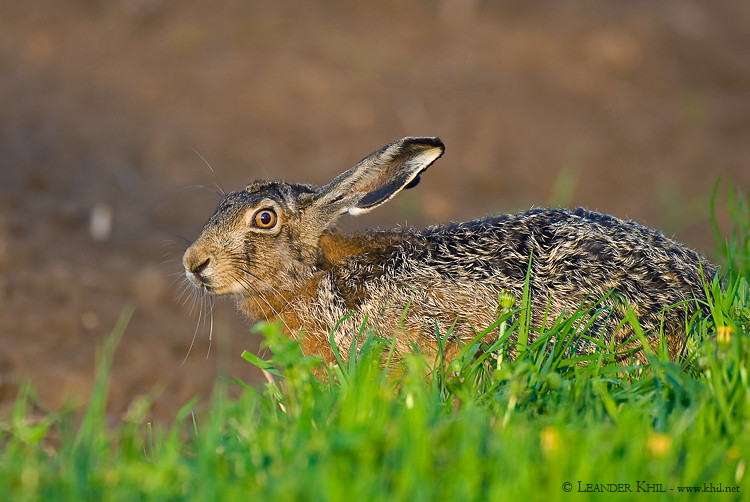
x,y
108,109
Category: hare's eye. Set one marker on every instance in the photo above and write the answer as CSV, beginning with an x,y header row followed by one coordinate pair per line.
x,y
265,218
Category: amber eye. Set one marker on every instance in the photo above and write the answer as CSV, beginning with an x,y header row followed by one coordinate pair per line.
x,y
265,218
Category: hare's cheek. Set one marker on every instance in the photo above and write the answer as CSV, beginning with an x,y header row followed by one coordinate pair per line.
x,y
250,248
260,254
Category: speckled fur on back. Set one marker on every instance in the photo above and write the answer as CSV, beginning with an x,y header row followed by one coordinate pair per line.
x,y
273,245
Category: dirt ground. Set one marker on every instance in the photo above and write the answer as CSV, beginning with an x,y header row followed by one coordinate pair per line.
x,y
108,110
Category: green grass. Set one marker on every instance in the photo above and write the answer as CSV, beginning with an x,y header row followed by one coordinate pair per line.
x,y
483,427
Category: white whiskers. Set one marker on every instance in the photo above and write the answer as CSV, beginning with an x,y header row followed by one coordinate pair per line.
x,y
204,303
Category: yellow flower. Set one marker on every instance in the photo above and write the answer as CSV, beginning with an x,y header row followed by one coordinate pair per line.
x,y
549,439
658,444
724,334
505,302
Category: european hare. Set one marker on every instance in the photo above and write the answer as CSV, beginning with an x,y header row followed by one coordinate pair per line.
x,y
273,245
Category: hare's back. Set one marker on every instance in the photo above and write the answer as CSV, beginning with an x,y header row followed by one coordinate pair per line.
x,y
570,251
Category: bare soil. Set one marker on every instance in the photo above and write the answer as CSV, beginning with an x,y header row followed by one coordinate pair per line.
x,y
108,110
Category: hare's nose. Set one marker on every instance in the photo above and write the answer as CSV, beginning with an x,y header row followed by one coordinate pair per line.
x,y
195,266
201,267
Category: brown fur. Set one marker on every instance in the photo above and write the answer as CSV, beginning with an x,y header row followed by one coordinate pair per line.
x,y
421,285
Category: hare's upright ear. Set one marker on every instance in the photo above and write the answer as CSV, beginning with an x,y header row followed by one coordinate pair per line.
x,y
376,179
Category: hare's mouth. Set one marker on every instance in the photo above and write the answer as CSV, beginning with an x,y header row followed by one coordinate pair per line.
x,y
197,280
210,283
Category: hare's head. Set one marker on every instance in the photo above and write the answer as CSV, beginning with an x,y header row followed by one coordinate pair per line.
x,y
267,235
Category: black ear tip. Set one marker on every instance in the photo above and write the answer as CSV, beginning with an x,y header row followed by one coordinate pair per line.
x,y
437,142
433,141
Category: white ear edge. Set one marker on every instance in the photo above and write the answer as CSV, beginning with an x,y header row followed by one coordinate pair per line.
x,y
355,211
